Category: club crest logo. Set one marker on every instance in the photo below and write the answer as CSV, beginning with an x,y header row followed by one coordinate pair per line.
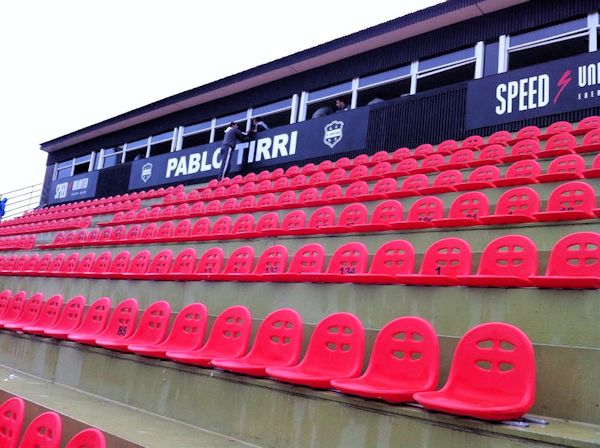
x,y
333,133
146,172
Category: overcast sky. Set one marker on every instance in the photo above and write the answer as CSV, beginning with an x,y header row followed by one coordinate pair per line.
x,y
67,64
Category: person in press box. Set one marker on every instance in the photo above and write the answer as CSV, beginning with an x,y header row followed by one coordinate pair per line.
x,y
233,135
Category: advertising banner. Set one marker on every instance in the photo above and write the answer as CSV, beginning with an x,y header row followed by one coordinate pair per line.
x,y
559,86
326,136
75,188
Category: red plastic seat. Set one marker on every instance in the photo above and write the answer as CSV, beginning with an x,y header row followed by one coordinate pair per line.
x,y
356,191
229,338
298,182
506,262
574,263
85,265
281,184
44,431
400,154
392,258
360,159
480,178
286,199
47,316
244,227
68,319
590,143
29,312
159,267
587,124
404,167
350,258
326,166
335,351
474,141
522,172
379,171
12,414
443,261
209,263
88,438
5,297
380,190
523,150
152,329
558,145
321,217
594,171
278,343
201,230
187,333
92,324
273,260
514,206
342,162
308,169
492,376
430,164
332,194
378,157
118,265
421,214
240,261
500,137
568,201
184,264
528,132
459,159
411,186
490,155
465,210
266,202
309,258
138,265
556,128
422,151
268,221
222,228
350,216
447,147
404,360
568,167
443,182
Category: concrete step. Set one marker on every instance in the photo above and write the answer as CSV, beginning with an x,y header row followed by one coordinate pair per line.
x,y
123,426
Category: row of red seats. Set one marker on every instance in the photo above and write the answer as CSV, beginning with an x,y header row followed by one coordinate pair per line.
x,y
520,173
404,361
484,176
47,226
568,201
475,142
507,261
44,431
17,242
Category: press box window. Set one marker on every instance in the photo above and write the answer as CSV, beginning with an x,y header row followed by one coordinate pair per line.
x,y
196,135
548,44
383,86
161,144
322,102
112,156
274,114
223,122
446,69
82,164
64,169
136,150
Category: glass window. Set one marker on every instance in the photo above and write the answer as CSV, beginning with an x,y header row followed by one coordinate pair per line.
x,y
446,59
548,52
224,121
452,75
195,128
325,107
383,92
137,144
330,92
112,156
165,136
64,169
197,139
384,77
160,148
549,32
82,164
272,108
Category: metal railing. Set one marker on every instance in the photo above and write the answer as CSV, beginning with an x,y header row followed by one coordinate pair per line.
x,y
21,200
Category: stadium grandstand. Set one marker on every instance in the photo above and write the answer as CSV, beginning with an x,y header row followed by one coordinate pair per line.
x,y
419,268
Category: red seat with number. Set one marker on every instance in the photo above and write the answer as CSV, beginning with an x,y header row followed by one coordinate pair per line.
x,y
443,261
480,178
590,143
384,214
278,343
335,351
492,376
350,258
240,261
558,145
93,323
392,258
308,259
523,150
421,214
571,200
522,172
68,321
465,210
272,261
568,167
47,317
443,182
404,360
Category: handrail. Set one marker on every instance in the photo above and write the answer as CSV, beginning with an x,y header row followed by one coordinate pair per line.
x,y
21,200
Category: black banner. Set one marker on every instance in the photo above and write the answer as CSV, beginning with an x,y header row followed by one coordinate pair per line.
x,y
329,135
559,86
75,188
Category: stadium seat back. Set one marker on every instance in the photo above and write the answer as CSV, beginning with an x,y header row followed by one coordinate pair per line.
x,y
492,152
161,263
266,200
182,229
527,147
500,137
384,186
50,312
337,175
281,183
44,431
415,182
322,217
278,340
15,306
509,255
230,332
529,132
317,178
118,233
201,227
211,261
268,221
523,168
272,261
70,263
357,188
447,178
350,258
240,261
400,153
286,198
56,263
461,157
134,232
469,205
88,438
572,196
247,202
406,165
426,209
423,150
518,201
559,127
244,224
71,314
448,256
185,262
574,255
353,214
562,142
86,262
308,195
309,258
569,163
12,414
486,173
153,325
139,263
96,317
222,226
120,263
394,257
149,232
336,347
